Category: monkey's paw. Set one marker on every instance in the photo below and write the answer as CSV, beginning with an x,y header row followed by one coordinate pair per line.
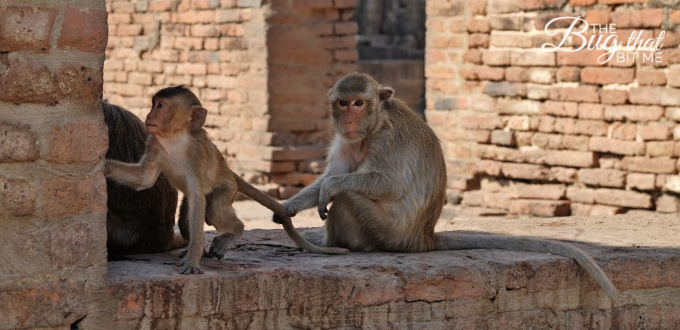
x,y
223,243
279,219
184,253
323,211
188,270
107,168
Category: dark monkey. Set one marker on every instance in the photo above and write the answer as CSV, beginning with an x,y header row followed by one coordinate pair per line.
x,y
136,221
179,147
386,176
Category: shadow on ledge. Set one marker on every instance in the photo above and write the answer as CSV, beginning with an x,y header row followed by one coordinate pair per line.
x,y
268,283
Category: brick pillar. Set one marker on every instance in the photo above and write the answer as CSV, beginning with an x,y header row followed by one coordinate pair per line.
x,y
52,144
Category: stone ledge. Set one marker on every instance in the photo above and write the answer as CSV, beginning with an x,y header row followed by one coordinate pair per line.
x,y
270,284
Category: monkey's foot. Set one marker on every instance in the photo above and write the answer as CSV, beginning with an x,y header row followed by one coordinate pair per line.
x,y
188,270
205,254
223,243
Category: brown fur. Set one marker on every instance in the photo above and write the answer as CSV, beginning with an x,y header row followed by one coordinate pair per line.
x,y
388,184
179,148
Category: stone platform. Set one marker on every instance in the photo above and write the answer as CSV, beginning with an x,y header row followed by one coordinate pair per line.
x,y
267,283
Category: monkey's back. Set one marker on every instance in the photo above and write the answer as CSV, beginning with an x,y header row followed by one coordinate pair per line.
x,y
136,221
424,170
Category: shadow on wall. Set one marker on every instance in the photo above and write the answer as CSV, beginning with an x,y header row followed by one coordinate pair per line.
x,y
391,42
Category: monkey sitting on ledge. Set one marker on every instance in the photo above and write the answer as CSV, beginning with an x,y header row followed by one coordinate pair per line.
x,y
386,176
179,147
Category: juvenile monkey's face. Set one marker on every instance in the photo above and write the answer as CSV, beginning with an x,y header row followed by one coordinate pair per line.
x,y
158,117
349,115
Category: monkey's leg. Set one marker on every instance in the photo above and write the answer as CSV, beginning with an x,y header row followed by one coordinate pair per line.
x,y
221,214
183,224
190,262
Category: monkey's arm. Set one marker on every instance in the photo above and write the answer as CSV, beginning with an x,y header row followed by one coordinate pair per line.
x,y
372,185
141,176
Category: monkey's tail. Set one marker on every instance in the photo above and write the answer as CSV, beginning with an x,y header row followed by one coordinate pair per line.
x,y
456,241
277,208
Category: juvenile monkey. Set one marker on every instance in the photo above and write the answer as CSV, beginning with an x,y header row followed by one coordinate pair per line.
x,y
386,176
179,147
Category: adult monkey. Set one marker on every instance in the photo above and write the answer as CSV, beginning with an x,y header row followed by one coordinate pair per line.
x,y
179,147
386,176
136,221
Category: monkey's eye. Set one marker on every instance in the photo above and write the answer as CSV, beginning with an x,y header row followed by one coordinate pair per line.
x,y
359,103
343,103
159,105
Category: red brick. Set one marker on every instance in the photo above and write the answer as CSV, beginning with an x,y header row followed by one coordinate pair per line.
x,y
478,25
42,305
659,165
568,74
581,195
18,196
653,132
668,204
578,94
569,158
489,167
496,57
447,41
17,143
515,74
606,145
673,79
623,198
518,107
660,149
583,57
525,171
605,76
565,109
511,39
346,28
645,95
541,4
78,142
633,112
26,28
532,58
478,40
645,18
488,122
613,96
489,73
670,96
674,16
602,177
647,77
472,56
84,30
478,7
73,196
597,16
641,181
541,208
540,191
622,131
590,111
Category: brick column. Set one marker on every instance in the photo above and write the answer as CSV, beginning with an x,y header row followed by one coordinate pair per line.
x,y
52,143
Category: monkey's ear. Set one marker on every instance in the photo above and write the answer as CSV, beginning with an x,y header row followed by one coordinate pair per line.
x,y
198,114
385,93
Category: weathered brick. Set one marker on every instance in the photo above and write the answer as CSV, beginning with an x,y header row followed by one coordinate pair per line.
x,y
505,23
606,76
17,143
670,96
622,131
42,305
518,107
18,196
645,95
603,144
479,40
71,196
668,204
581,195
26,28
78,142
649,77
660,165
590,111
583,57
579,94
567,109
633,112
532,58
503,138
472,56
480,122
516,74
568,74
84,30
613,96
653,132
513,39
602,177
496,57
526,171
540,191
623,198
541,208
641,181
645,18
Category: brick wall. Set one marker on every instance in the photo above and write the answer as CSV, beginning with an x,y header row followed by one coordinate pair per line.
x,y
554,133
52,143
261,69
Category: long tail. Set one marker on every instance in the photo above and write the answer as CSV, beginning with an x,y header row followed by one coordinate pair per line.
x,y
277,208
456,241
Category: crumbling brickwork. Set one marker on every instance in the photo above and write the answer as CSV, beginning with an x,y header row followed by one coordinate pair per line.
x,y
52,143
555,133
260,68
